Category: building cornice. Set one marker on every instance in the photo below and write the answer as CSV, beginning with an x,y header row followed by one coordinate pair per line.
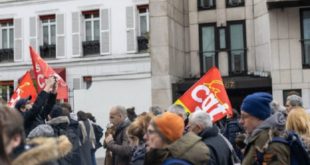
x,y
84,61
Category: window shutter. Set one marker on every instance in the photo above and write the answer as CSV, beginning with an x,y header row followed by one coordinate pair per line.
x,y
76,83
18,40
131,29
33,32
76,38
60,36
105,37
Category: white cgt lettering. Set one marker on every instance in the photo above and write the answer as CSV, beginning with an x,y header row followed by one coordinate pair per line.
x,y
207,102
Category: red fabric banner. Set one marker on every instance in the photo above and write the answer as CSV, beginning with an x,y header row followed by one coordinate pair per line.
x,y
24,89
42,71
207,94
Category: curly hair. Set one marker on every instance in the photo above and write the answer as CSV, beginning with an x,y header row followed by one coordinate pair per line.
x,y
139,126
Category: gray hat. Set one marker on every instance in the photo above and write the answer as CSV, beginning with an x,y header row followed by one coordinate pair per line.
x,y
43,130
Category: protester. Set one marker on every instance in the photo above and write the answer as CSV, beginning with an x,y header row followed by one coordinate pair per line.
x,y
255,111
165,140
155,110
119,143
136,130
98,135
293,101
110,130
298,120
88,140
201,124
60,123
11,132
34,114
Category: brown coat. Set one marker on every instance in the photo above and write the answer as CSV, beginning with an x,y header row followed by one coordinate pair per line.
x,y
120,148
189,147
279,153
46,149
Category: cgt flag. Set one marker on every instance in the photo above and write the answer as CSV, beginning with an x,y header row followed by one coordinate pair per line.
x,y
24,89
43,71
209,95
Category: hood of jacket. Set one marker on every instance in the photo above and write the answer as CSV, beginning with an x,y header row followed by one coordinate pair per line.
x,y
275,122
44,150
59,120
190,147
209,132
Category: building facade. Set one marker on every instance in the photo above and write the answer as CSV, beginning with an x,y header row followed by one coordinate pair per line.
x,y
258,45
99,47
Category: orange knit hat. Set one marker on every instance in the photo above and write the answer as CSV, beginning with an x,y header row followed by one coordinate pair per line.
x,y
170,125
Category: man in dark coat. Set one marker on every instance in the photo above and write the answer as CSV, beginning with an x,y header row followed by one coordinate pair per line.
x,y
119,143
35,114
201,124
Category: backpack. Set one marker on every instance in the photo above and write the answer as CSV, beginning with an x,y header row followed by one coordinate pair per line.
x,y
298,151
176,161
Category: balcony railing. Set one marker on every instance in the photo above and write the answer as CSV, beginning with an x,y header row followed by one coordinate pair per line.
x,y
6,55
48,51
91,47
142,43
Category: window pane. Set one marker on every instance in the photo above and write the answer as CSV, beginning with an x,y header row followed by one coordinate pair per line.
x,y
45,35
96,31
96,15
11,38
88,30
307,52
4,39
222,39
143,24
206,3
52,20
53,34
306,24
87,16
237,48
208,47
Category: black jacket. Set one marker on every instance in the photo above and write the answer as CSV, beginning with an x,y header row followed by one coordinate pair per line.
x,y
220,152
39,111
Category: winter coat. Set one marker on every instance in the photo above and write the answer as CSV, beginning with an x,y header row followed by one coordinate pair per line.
x,y
121,150
39,111
86,143
138,155
189,147
279,152
61,126
44,151
219,149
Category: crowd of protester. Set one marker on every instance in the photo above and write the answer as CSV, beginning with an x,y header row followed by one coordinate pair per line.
x,y
50,133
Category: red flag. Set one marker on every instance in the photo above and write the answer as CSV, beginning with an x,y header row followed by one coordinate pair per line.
x,y
24,89
207,94
43,71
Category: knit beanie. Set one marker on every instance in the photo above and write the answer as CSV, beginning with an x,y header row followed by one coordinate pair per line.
x,y
56,111
257,105
170,125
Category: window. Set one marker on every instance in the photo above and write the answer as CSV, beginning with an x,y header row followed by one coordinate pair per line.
x,y
7,40
234,3
6,89
91,26
237,48
91,44
208,53
206,4
48,26
143,38
305,30
143,19
222,38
